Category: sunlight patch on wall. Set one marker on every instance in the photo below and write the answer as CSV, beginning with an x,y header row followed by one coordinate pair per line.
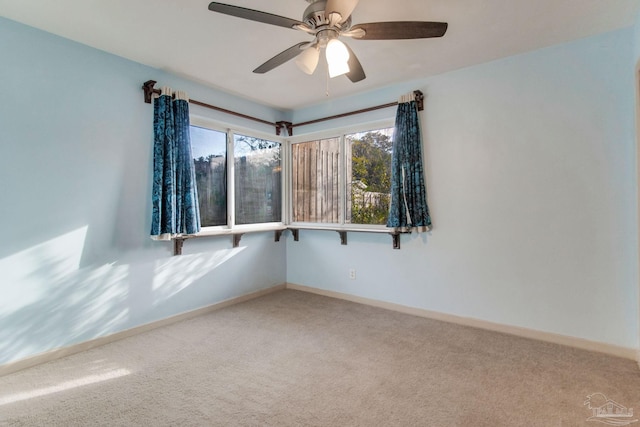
x,y
87,303
175,274
98,299
36,268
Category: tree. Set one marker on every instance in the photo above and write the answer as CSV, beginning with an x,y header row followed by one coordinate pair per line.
x,y
371,178
243,142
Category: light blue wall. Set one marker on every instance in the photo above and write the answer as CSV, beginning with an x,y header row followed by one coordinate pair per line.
x,y
636,42
532,188
636,39
76,261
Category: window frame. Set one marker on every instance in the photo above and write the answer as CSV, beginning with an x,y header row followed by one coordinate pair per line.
x,y
230,131
340,133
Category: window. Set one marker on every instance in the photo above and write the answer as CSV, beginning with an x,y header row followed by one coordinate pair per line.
x,y
209,149
343,180
337,181
369,172
316,181
254,195
258,180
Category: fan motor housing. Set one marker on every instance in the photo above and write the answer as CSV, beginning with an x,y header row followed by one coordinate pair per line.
x,y
314,16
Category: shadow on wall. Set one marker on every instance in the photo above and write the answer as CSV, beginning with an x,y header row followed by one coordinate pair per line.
x,y
49,302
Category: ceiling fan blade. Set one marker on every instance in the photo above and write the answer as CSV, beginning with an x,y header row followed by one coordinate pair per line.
x,y
399,30
254,15
356,73
343,7
281,58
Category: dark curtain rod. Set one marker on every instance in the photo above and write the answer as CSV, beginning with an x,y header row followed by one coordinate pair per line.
x,y
148,88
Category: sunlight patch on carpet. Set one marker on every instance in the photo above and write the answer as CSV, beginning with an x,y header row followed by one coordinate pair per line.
x,y
67,385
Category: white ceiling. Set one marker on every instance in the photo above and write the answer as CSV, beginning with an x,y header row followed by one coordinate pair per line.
x,y
185,38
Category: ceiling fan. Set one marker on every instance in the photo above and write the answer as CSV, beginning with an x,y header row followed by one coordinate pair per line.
x,y
326,21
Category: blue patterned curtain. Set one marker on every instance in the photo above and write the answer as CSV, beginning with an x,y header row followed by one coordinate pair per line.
x,y
408,210
174,196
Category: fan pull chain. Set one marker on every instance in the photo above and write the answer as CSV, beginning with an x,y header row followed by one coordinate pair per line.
x,y
326,76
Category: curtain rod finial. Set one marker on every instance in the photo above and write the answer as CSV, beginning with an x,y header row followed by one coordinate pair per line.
x,y
419,97
148,90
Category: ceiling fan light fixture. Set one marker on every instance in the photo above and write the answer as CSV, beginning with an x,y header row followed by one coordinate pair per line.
x,y
337,69
308,60
337,58
326,20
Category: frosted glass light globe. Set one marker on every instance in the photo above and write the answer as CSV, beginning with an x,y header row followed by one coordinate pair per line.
x,y
337,58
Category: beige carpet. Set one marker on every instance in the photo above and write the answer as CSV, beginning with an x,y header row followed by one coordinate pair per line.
x,y
296,359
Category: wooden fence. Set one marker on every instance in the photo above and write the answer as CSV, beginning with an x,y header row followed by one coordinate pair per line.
x,y
316,181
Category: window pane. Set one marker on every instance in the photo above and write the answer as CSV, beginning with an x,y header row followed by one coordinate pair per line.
x,y
316,180
258,178
369,176
209,149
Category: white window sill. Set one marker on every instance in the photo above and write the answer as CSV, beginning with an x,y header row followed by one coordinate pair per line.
x,y
352,228
278,229
238,229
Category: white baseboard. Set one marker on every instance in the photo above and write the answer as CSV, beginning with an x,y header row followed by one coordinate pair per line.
x,y
59,353
624,352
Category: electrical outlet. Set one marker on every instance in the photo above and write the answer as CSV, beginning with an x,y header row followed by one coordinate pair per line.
x,y
352,273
